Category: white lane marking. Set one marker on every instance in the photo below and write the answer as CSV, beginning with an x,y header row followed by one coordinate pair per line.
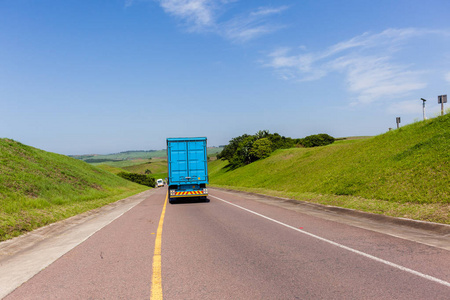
x,y
437,280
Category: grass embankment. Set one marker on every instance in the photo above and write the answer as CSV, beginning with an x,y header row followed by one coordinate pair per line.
x,y
402,173
38,188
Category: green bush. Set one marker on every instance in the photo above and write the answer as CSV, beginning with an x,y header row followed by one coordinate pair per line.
x,y
138,178
316,140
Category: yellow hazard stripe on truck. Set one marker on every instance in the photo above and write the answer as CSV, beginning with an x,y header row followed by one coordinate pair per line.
x,y
189,194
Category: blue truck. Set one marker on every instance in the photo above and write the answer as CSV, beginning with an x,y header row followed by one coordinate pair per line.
x,y
187,166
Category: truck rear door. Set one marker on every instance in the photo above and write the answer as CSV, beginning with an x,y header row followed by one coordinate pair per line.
x,y
187,161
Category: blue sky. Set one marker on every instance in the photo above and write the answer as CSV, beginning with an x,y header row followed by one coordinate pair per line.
x,y
79,77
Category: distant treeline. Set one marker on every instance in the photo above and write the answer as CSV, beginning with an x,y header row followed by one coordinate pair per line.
x,y
245,149
133,151
100,160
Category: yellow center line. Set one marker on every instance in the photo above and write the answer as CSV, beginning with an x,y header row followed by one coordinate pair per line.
x,y
156,293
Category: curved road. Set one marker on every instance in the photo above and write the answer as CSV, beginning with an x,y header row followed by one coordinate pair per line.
x,y
237,248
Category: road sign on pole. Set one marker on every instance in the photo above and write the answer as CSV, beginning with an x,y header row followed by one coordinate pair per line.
x,y
441,100
398,122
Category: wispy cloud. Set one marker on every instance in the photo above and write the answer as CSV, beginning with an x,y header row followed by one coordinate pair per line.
x,y
264,11
252,25
197,14
203,16
373,78
366,61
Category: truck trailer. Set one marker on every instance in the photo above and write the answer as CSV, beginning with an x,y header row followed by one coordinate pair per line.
x,y
187,166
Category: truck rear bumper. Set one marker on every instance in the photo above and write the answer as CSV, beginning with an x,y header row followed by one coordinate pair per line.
x,y
188,194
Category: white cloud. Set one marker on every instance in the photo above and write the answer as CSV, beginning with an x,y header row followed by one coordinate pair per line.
x,y
197,13
202,15
263,11
367,63
374,78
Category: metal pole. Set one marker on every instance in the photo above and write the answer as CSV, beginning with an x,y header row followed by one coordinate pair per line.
x,y
442,99
424,111
423,108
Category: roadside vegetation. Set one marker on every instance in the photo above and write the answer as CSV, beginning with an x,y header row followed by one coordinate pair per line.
x,y
138,178
245,149
38,188
402,173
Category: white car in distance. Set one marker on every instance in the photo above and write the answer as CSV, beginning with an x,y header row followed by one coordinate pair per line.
x,y
159,183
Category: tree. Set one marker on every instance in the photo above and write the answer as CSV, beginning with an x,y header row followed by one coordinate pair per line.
x,y
245,149
281,142
261,148
242,154
230,149
262,134
242,149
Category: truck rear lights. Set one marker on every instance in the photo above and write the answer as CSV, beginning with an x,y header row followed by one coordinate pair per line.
x,y
205,191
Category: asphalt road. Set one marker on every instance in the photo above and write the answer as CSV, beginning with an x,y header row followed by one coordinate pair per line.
x,y
237,248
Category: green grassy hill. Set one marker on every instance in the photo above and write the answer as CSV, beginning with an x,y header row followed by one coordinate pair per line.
x,y
404,172
38,188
